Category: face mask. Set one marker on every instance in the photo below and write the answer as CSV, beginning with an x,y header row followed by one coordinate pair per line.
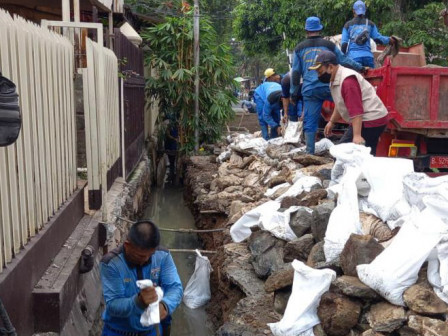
x,y
325,77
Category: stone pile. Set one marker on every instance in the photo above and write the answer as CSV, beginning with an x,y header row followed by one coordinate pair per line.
x,y
260,267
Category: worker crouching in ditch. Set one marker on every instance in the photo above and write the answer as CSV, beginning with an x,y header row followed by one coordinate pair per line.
x,y
355,101
139,258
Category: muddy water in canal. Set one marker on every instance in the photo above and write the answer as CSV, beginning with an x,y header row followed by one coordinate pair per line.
x,y
167,210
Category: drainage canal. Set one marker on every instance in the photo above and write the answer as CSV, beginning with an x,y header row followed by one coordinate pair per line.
x,y
167,210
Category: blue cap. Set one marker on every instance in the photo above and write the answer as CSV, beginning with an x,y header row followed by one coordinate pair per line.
x,y
359,7
312,24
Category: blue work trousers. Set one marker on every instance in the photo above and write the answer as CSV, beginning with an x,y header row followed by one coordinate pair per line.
x,y
264,128
313,100
295,111
365,61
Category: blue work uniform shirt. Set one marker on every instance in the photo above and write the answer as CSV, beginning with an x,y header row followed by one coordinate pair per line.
x,y
264,108
350,32
304,56
120,290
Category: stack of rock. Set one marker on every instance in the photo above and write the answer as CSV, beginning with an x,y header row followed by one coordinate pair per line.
x,y
261,266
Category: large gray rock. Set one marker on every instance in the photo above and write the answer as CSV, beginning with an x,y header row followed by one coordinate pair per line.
x,y
384,317
267,253
299,248
313,197
321,215
338,314
425,326
316,255
289,201
353,287
357,251
281,298
301,221
280,279
423,300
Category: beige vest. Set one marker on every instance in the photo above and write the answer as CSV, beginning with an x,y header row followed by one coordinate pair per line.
x,y
373,106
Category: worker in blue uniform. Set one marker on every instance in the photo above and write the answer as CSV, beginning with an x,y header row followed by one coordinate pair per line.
x,y
356,36
292,108
267,98
314,91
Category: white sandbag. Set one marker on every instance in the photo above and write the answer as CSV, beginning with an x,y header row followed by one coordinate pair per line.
x,y
438,260
304,183
347,154
277,223
419,185
397,267
385,177
322,145
256,145
344,220
224,156
293,132
276,141
197,292
241,229
151,315
301,312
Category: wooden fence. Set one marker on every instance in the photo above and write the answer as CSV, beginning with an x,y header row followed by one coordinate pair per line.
x,y
38,172
102,116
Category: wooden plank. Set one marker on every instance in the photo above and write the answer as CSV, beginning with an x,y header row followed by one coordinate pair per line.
x,y
29,212
87,120
67,112
68,55
94,184
44,69
58,123
40,133
37,185
52,120
62,123
15,155
6,196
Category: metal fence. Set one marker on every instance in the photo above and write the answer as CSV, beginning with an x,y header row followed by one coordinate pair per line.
x,y
38,172
133,100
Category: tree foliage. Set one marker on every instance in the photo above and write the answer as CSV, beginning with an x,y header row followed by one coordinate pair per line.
x,y
171,54
259,24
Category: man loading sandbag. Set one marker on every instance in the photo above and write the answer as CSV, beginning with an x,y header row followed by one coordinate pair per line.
x,y
355,101
139,258
267,98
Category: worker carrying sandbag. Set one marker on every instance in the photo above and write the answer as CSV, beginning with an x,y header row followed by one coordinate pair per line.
x,y
197,292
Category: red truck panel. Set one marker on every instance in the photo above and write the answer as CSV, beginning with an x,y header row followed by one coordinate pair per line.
x,y
416,97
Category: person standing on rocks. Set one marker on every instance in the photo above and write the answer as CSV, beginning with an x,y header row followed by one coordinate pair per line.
x,y
140,257
355,101
267,98
314,92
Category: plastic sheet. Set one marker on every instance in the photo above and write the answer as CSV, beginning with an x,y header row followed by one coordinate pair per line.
x,y
197,292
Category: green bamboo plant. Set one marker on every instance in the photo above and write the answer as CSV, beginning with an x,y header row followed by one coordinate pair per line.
x,y
171,55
